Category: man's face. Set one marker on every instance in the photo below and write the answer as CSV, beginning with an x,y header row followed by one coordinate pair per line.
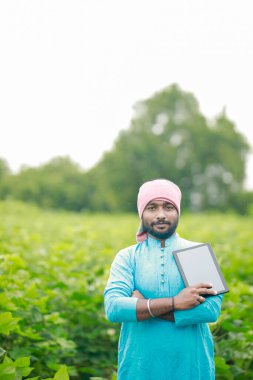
x,y
160,219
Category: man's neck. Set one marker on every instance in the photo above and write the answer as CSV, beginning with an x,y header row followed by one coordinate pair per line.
x,y
161,240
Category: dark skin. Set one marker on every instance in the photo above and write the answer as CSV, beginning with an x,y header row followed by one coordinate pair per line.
x,y
160,219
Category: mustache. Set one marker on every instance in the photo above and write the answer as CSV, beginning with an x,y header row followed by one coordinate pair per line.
x,y
161,222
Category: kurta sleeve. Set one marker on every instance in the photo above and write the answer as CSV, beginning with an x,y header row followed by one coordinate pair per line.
x,y
119,305
206,312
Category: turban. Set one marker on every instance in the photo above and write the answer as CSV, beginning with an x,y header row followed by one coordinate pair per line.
x,y
156,189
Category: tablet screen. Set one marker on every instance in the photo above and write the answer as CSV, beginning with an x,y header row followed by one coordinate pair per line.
x,y
198,264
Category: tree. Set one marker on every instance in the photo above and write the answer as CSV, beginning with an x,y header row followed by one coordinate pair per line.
x,y
4,169
170,138
60,183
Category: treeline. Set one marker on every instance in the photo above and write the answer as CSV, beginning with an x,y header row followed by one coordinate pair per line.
x,y
168,137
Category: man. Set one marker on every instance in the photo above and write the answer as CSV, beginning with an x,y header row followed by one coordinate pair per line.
x,y
164,333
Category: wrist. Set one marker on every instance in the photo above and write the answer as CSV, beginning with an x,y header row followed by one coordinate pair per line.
x,y
176,304
171,304
149,309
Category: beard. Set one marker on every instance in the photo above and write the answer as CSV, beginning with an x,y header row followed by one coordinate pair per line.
x,y
172,226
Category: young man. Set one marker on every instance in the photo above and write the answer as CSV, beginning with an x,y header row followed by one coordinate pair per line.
x,y
164,333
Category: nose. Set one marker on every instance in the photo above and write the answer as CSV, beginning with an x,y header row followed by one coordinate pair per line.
x,y
161,214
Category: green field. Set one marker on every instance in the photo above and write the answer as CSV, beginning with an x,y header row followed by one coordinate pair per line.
x,y
53,269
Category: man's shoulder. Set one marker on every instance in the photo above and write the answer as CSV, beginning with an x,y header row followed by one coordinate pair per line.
x,y
130,250
126,255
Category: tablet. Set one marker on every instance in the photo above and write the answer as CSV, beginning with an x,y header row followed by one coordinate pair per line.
x,y
198,264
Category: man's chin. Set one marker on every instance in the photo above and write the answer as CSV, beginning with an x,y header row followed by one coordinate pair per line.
x,y
162,235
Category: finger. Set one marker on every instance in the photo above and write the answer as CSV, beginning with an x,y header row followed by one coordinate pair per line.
x,y
199,300
206,291
203,285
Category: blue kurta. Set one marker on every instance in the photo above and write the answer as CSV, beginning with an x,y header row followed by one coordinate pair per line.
x,y
156,349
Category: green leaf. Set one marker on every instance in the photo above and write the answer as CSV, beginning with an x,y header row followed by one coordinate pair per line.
x,y
7,323
22,362
8,360
223,368
2,352
62,374
25,371
7,370
6,303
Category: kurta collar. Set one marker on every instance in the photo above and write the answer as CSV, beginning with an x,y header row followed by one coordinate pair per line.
x,y
157,243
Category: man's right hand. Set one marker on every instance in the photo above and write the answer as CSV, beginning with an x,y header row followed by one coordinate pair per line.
x,y
191,296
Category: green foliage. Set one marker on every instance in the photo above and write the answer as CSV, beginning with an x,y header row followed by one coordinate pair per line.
x,y
20,368
231,238
15,370
4,169
57,184
7,322
62,374
53,269
242,202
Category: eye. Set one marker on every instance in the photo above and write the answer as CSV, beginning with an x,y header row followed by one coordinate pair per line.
x,y
169,207
151,207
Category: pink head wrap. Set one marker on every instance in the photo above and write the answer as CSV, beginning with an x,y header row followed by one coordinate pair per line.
x,y
156,189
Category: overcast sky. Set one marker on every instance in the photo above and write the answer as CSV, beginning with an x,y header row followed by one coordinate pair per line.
x,y
71,71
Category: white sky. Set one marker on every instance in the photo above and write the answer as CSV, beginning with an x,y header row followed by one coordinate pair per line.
x,y
71,71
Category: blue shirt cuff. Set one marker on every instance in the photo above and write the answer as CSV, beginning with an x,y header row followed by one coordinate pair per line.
x,y
126,309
